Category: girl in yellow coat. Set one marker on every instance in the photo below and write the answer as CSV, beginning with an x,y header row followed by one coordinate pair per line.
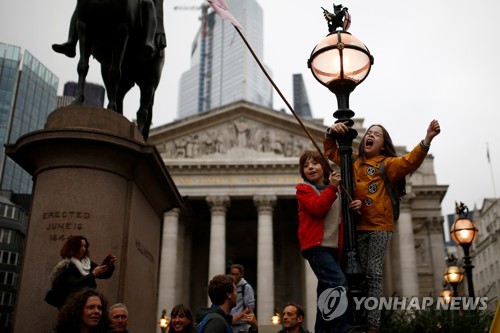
x,y
375,225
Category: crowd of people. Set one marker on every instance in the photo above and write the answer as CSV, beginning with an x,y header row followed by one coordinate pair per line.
x,y
82,309
86,310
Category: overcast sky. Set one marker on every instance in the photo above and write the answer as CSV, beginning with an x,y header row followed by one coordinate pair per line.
x,y
433,59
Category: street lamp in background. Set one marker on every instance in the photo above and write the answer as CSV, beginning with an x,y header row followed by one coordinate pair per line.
x,y
446,295
276,318
340,62
453,275
164,321
463,232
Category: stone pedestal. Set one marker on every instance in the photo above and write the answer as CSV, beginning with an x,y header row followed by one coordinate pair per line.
x,y
93,176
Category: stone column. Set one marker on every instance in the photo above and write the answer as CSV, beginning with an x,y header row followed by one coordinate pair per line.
x,y
167,289
217,256
408,258
265,256
311,302
436,250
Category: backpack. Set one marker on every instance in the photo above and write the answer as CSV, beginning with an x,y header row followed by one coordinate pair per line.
x,y
396,192
243,287
243,294
200,327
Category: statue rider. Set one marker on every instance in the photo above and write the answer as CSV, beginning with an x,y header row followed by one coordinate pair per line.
x,y
152,22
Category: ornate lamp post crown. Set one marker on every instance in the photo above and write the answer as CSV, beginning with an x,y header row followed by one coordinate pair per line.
x,y
340,61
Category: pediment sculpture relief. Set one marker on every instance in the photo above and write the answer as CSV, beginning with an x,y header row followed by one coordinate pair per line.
x,y
238,135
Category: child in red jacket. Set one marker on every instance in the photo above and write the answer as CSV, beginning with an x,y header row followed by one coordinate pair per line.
x,y
319,221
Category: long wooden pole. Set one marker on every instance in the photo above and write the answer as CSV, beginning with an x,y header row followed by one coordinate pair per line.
x,y
287,104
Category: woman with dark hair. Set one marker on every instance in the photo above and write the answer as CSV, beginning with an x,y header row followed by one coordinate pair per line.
x,y
84,312
76,271
181,320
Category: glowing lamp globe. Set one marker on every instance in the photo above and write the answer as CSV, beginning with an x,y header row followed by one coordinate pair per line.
x,y
340,59
446,295
453,274
463,231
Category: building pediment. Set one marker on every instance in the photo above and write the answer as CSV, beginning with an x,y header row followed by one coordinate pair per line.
x,y
235,134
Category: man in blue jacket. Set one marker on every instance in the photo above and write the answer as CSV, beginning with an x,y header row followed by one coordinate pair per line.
x,y
217,318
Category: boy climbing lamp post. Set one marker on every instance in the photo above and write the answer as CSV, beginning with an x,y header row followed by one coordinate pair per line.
x,y
463,232
341,62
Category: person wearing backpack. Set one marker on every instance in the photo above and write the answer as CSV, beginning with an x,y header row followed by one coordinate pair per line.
x,y
217,318
375,224
245,303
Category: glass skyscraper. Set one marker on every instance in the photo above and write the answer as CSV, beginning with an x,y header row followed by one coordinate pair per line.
x,y
28,93
229,73
300,100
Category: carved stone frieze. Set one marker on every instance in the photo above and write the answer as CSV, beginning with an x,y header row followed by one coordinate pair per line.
x,y
239,134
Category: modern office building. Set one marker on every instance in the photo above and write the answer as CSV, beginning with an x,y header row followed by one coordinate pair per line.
x,y
28,93
94,94
223,70
300,100
13,224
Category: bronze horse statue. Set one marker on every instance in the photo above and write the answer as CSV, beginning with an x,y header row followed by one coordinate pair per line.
x,y
127,39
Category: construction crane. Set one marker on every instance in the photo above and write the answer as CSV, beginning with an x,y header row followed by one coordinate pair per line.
x,y
203,49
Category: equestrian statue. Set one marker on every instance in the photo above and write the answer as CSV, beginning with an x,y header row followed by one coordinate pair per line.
x,y
127,38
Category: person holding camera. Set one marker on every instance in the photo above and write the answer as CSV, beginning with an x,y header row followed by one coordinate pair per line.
x,y
76,271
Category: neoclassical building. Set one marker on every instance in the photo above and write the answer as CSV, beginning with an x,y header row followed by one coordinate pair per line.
x,y
237,167
486,271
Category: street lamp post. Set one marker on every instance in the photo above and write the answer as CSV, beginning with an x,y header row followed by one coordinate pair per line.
x,y
340,62
463,232
164,321
446,295
453,275
276,318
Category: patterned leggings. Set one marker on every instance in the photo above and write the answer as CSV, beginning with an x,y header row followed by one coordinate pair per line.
x,y
372,246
